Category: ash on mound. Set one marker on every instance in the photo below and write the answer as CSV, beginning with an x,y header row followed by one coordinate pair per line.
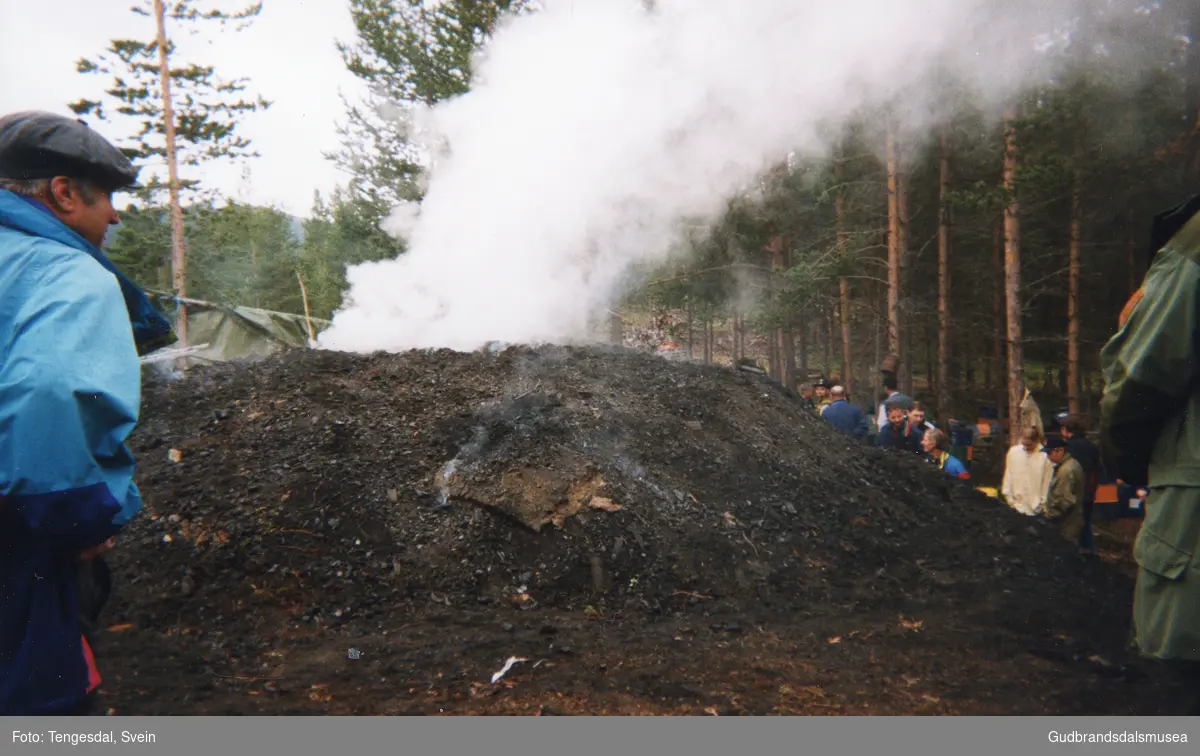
x,y
651,536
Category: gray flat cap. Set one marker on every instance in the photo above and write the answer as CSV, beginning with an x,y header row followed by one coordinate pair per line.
x,y
898,400
39,145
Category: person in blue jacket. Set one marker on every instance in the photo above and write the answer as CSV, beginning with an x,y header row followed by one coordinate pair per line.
x,y
71,331
898,433
936,446
846,417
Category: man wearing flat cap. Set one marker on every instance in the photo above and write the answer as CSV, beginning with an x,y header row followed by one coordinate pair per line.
x,y
71,330
1064,502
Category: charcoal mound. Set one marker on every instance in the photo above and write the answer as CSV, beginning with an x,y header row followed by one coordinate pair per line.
x,y
617,496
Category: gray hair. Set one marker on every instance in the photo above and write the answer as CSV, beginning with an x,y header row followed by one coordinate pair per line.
x,y
37,187
838,391
25,187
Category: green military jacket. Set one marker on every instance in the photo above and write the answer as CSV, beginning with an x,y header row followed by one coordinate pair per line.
x,y
1149,427
1064,502
1066,490
1150,435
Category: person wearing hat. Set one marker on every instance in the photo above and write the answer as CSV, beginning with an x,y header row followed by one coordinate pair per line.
x,y
70,389
897,433
1064,501
821,398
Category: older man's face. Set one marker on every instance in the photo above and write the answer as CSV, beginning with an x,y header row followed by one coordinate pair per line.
x,y
86,210
928,443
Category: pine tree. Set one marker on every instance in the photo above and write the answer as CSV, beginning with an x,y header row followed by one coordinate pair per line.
x,y
411,54
206,108
185,115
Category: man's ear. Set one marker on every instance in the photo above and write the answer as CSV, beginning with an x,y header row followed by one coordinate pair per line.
x,y
64,194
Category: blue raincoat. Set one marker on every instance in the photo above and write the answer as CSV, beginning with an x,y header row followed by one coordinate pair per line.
x,y
70,388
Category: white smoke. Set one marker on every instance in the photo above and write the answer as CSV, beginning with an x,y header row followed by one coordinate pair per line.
x,y
595,128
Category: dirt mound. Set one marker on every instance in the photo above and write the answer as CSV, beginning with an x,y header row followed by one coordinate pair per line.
x,y
652,536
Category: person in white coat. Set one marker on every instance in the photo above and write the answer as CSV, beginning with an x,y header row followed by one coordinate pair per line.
x,y
1027,475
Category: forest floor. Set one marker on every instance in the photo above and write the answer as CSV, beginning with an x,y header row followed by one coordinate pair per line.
x,y
337,534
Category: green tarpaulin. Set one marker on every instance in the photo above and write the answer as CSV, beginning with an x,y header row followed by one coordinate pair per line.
x,y
220,333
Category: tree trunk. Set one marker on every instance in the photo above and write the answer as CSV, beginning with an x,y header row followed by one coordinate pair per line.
x,y
893,264
178,257
802,346
967,358
930,369
708,355
905,377
736,334
787,334
847,364
827,343
774,250
691,328
616,329
1012,277
1073,404
257,281
944,219
997,364
843,284
742,336
1192,78
876,377
787,356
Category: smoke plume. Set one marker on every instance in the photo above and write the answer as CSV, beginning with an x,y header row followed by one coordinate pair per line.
x,y
595,128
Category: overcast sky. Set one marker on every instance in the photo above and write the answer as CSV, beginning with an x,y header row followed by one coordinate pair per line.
x,y
289,55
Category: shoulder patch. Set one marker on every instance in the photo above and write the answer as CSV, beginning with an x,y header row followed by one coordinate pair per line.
x,y
1127,310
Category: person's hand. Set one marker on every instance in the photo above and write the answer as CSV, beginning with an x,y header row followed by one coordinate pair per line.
x,y
1142,493
95,551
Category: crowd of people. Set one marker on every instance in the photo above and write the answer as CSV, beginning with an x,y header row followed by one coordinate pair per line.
x,y
1053,478
902,423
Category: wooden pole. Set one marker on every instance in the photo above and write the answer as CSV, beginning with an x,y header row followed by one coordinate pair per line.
x,y
312,335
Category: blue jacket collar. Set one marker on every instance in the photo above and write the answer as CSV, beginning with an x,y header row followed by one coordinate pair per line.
x,y
150,329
